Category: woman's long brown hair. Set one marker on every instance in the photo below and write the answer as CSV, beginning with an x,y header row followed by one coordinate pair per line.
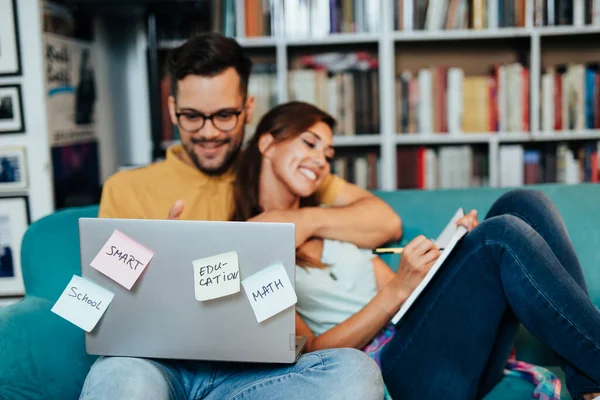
x,y
285,121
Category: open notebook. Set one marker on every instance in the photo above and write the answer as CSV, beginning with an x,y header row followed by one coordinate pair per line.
x,y
449,237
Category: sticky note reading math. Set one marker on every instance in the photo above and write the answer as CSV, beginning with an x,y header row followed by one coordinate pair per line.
x,y
269,291
122,259
216,276
82,303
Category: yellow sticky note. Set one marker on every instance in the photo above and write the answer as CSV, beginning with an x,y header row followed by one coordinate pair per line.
x,y
216,276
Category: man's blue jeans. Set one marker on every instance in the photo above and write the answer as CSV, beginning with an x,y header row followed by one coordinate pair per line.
x,y
327,374
517,265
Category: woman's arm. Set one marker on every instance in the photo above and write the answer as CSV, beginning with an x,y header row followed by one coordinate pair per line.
x,y
358,330
357,216
383,273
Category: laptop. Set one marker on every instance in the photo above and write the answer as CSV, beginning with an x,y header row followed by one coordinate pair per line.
x,y
160,316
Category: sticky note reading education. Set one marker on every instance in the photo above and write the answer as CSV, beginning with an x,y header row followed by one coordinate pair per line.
x,y
269,291
82,303
122,259
216,276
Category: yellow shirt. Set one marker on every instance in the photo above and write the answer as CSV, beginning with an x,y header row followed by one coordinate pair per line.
x,y
149,192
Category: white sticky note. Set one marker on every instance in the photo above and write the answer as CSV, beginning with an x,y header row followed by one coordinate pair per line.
x,y
83,303
216,276
269,291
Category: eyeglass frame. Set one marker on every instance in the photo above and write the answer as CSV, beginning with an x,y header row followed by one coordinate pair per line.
x,y
210,117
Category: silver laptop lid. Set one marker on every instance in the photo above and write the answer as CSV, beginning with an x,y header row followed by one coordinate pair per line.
x,y
160,316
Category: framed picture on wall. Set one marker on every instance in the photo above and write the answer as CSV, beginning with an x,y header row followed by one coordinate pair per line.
x,y
11,109
10,57
14,220
13,169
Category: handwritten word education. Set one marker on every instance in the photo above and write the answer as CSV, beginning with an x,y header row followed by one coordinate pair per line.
x,y
216,276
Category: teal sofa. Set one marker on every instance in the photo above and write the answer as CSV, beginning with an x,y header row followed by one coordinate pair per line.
x,y
43,356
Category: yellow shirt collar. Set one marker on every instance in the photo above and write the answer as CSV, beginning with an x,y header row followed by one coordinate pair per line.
x,y
192,174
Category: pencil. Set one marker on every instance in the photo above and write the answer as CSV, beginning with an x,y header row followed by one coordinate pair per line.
x,y
388,250
392,250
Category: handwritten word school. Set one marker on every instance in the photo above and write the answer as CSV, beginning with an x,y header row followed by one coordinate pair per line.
x,y
84,298
267,289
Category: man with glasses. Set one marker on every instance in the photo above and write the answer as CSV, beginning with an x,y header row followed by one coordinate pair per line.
x,y
210,105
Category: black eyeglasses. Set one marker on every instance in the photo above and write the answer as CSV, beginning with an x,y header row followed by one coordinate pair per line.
x,y
223,120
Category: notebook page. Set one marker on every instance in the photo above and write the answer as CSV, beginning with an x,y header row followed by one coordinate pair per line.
x,y
458,234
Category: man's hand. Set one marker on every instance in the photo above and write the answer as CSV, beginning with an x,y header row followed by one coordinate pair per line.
x,y
299,217
176,210
469,221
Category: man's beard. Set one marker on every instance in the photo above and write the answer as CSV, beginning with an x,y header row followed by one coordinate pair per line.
x,y
228,161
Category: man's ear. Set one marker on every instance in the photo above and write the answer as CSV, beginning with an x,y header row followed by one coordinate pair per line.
x,y
172,111
265,144
249,109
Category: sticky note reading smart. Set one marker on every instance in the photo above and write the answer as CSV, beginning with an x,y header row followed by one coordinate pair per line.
x,y
122,259
216,276
269,291
82,303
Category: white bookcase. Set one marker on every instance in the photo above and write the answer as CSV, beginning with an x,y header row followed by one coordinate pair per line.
x,y
388,43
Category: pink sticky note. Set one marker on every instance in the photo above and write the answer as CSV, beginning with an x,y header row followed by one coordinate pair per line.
x,y
122,259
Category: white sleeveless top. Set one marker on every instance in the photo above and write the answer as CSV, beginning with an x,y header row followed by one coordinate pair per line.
x,y
324,302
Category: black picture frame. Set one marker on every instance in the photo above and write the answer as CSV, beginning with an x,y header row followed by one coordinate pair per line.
x,y
18,103
27,204
15,19
13,285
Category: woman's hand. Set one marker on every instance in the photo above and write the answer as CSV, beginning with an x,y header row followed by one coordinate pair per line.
x,y
469,221
418,257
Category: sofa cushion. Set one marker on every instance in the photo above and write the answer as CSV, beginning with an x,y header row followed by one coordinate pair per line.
x,y
43,356
50,252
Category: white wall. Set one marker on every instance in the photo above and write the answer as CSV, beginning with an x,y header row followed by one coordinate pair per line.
x,y
123,114
35,138
105,109
123,100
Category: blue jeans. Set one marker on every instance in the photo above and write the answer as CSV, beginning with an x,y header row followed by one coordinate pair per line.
x,y
327,374
517,266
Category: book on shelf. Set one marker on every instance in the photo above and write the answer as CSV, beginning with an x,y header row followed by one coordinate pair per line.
x,y
566,12
346,85
550,163
259,17
190,18
445,167
570,97
310,18
361,169
434,15
263,86
223,17
444,100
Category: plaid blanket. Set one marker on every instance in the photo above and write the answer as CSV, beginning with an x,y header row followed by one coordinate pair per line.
x,y
547,385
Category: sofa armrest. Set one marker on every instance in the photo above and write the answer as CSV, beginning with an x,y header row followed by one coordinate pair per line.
x,y
43,356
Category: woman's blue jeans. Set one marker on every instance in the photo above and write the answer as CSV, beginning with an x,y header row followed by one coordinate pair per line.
x,y
518,265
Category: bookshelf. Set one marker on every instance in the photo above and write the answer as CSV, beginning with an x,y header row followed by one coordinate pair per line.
x,y
532,44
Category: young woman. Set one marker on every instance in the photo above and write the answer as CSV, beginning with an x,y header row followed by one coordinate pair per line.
x,y
518,265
